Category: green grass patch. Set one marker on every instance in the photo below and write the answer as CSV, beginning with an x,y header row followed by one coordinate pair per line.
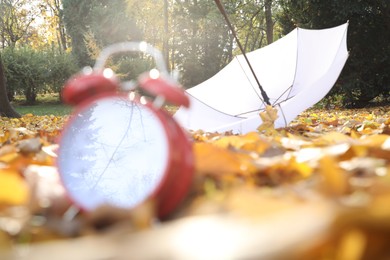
x,y
49,104
44,109
46,104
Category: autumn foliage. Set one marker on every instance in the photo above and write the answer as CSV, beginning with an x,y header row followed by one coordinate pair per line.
x,y
330,168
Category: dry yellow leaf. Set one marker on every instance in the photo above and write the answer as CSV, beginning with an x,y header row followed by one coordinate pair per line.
x,y
332,138
9,157
236,141
250,142
251,202
352,245
374,140
268,116
335,182
13,188
303,169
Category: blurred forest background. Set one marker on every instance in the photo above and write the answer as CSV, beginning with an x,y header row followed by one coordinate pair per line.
x,y
43,42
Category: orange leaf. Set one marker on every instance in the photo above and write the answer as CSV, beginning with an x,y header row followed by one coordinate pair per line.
x,y
7,149
214,160
9,157
374,140
249,142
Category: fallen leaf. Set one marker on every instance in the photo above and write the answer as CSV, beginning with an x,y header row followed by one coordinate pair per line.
x,y
214,160
268,117
29,146
13,188
252,142
352,245
335,182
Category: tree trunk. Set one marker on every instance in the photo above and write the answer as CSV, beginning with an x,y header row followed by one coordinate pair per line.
x,y
166,34
5,107
61,26
31,96
268,21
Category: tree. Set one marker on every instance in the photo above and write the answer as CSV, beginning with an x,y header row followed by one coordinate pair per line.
x,y
201,40
255,22
26,69
96,24
166,32
5,107
367,72
56,21
16,17
268,21
76,18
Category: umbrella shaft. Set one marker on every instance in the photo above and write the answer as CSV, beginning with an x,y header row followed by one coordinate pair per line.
x,y
223,12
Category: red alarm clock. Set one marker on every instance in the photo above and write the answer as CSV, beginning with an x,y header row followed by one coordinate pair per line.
x,y
121,149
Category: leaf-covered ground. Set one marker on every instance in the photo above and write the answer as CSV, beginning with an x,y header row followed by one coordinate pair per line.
x,y
319,189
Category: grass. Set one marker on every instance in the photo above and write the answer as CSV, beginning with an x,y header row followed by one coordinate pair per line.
x,y
47,104
44,109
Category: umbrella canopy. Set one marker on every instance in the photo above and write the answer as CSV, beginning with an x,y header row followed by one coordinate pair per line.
x,y
296,72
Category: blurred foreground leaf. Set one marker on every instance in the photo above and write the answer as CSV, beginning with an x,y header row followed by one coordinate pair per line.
x,y
13,188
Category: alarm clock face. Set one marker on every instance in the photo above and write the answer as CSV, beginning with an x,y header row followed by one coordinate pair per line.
x,y
113,151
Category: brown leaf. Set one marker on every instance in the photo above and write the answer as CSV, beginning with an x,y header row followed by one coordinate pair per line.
x,y
29,146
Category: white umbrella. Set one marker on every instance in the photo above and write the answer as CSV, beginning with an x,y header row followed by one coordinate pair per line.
x,y
295,71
